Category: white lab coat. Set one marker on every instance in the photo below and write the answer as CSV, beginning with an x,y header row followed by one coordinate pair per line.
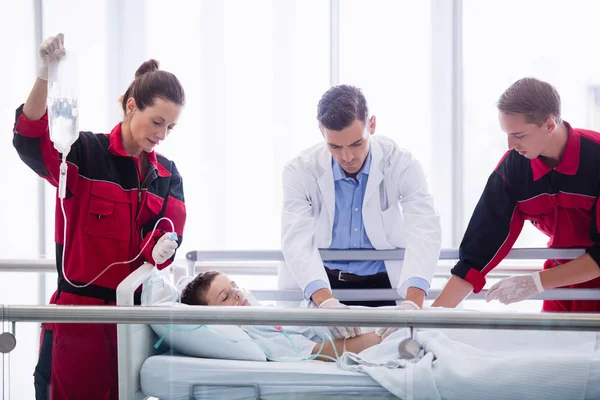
x,y
398,212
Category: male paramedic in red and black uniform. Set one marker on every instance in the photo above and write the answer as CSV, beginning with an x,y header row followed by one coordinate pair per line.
x,y
117,189
550,176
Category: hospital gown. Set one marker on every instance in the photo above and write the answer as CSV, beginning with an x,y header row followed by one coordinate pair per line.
x,y
285,343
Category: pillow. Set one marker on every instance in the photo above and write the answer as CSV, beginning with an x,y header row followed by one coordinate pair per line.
x,y
159,289
182,282
228,342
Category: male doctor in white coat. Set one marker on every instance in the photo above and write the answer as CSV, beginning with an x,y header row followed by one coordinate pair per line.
x,y
357,191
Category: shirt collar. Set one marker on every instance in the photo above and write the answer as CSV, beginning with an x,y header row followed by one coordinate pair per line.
x,y
569,162
116,147
338,172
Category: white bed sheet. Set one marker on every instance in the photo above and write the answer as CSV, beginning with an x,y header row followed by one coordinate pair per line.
x,y
494,364
174,377
593,388
177,377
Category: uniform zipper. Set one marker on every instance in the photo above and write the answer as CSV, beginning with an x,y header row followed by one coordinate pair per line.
x,y
137,171
140,186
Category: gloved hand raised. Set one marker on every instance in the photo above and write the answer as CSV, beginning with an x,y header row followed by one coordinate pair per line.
x,y
339,332
516,288
52,49
406,305
164,249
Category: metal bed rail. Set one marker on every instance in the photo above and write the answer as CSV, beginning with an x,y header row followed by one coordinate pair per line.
x,y
392,294
32,265
196,257
430,318
192,257
201,261
269,268
237,267
367,255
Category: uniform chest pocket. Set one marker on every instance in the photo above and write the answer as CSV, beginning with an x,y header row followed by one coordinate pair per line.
x,y
538,206
108,214
577,201
150,212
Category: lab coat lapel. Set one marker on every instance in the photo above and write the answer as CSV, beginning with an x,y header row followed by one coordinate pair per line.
x,y
371,203
327,188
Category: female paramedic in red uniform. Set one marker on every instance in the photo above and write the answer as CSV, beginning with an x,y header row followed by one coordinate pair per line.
x,y
550,176
118,187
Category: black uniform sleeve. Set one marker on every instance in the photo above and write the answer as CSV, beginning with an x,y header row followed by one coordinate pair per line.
x,y
493,229
594,250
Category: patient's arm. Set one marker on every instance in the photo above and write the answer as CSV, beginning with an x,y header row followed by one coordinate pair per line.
x,y
354,345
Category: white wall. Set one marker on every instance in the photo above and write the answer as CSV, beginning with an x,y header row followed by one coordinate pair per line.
x,y
19,203
508,40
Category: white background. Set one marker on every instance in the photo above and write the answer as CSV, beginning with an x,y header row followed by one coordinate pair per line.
x,y
253,72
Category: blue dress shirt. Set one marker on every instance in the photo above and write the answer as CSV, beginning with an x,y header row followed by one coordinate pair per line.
x,y
349,230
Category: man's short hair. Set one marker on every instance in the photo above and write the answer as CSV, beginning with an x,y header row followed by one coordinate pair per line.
x,y
340,106
536,99
194,293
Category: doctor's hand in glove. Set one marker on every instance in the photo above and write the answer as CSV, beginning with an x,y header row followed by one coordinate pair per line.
x,y
339,332
406,305
516,288
164,248
52,49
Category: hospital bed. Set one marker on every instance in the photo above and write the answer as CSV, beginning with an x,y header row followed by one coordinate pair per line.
x,y
144,372
167,376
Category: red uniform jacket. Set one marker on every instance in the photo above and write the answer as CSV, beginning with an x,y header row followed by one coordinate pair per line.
x,y
562,202
111,206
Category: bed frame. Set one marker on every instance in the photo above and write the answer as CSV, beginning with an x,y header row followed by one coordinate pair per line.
x,y
135,341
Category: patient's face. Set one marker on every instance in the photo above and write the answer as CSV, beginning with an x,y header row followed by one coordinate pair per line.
x,y
224,292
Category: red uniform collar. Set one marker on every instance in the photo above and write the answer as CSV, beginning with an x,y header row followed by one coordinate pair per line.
x,y
116,148
570,159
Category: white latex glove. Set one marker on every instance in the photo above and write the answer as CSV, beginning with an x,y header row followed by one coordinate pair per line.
x,y
164,249
339,332
516,288
406,305
51,49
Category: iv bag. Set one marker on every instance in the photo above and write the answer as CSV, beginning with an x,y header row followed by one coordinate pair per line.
x,y
63,112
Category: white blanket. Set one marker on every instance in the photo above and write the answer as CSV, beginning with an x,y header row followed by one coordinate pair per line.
x,y
482,364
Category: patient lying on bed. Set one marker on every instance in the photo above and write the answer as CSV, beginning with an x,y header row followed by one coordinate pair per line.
x,y
287,343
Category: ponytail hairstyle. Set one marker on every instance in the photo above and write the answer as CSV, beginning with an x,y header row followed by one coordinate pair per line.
x,y
150,83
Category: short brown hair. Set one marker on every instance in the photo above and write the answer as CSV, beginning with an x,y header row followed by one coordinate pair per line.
x,y
150,82
536,99
340,106
194,293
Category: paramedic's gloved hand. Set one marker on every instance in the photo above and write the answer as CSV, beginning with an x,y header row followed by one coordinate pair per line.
x,y
516,288
406,305
164,249
51,49
339,332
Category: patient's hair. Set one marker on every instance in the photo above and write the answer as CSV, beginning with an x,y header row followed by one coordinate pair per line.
x,y
194,293
536,99
340,106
